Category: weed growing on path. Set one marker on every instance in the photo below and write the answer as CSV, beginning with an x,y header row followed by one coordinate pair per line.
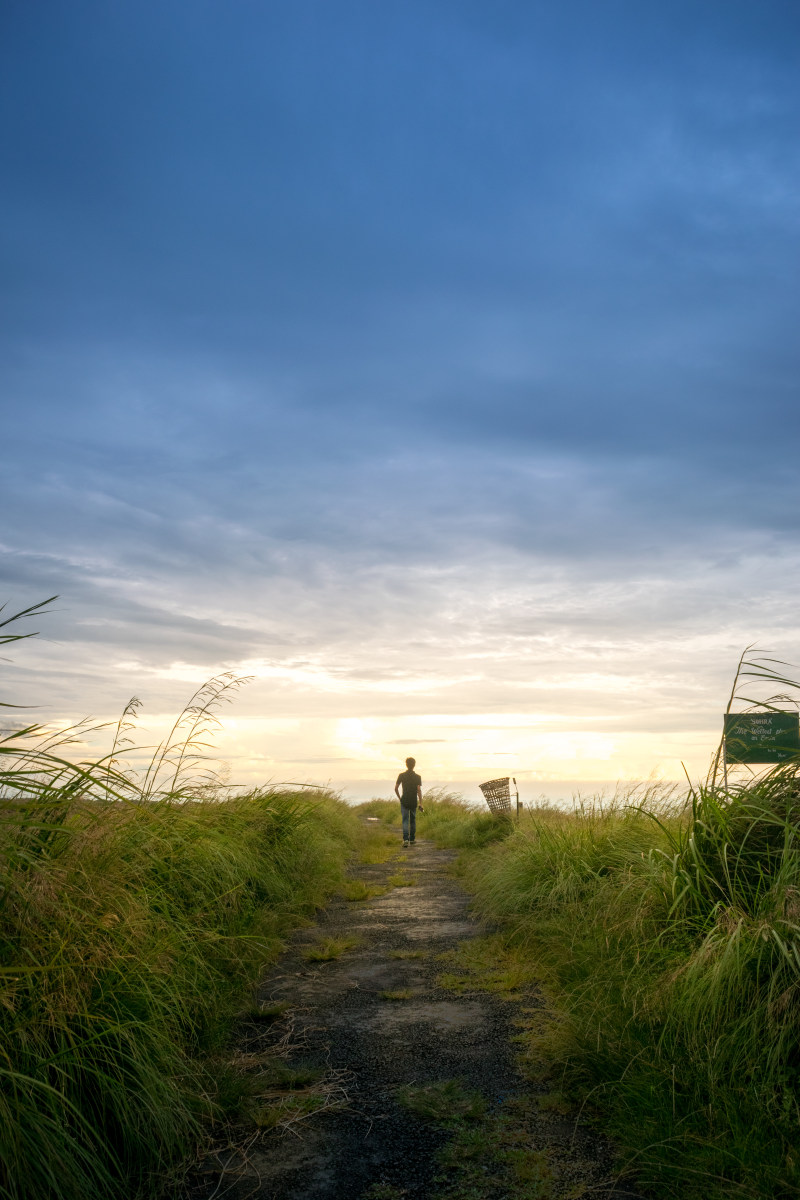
x,y
502,1158
377,843
488,964
285,1095
445,1101
398,994
269,1012
384,1191
329,949
402,881
356,889
279,1076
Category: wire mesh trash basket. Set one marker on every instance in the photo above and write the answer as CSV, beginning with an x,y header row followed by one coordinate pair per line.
x,y
497,794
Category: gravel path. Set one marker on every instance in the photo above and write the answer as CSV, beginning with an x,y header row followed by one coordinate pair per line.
x,y
348,1137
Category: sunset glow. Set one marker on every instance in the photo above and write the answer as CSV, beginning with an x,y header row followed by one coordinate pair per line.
x,y
434,365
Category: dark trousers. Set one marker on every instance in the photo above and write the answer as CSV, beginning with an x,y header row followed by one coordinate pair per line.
x,y
409,823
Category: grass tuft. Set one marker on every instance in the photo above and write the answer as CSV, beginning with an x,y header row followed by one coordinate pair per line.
x,y
445,1101
488,964
268,1012
402,881
356,889
329,949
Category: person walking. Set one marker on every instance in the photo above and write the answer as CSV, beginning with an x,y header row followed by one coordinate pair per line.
x,y
410,798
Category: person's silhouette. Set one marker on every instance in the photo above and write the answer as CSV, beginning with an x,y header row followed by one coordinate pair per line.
x,y
410,797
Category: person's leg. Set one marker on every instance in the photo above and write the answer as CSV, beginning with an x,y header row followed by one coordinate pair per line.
x,y
412,824
405,813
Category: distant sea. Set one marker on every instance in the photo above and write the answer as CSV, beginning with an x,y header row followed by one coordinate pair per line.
x,y
561,792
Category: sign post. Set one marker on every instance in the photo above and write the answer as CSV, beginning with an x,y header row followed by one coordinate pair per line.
x,y
760,737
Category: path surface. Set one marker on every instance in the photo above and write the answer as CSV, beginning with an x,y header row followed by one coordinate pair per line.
x,y
366,1047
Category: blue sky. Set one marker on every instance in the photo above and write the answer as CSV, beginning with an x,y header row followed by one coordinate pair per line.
x,y
436,363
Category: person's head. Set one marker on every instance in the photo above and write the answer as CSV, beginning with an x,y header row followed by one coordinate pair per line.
x,y
411,763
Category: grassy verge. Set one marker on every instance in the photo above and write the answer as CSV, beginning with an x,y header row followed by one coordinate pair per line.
x,y
666,937
135,918
446,819
129,935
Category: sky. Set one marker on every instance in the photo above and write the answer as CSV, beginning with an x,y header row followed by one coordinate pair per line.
x,y
434,363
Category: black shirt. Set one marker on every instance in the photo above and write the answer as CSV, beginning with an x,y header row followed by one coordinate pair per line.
x,y
409,782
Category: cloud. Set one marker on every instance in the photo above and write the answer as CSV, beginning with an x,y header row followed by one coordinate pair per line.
x,y
417,741
429,362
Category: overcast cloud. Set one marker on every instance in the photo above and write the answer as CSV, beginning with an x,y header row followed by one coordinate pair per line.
x,y
436,363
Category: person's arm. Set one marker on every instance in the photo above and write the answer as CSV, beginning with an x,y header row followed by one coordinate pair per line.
x,y
419,796
397,785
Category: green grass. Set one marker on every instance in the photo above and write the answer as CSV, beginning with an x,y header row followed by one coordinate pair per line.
x,y
447,1101
513,1152
329,949
136,915
288,1110
665,934
488,964
268,1013
278,1075
376,844
127,945
387,811
398,994
356,889
450,822
446,819
281,1094
267,1091
402,881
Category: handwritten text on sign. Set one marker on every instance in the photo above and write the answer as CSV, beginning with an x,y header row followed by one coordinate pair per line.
x,y
761,737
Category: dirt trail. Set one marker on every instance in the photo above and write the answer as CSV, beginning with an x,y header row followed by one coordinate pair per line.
x,y
348,1136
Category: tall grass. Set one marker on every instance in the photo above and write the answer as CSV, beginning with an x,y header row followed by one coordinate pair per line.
x,y
666,932
134,920
446,818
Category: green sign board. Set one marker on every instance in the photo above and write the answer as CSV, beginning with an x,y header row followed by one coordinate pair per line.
x,y
761,737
